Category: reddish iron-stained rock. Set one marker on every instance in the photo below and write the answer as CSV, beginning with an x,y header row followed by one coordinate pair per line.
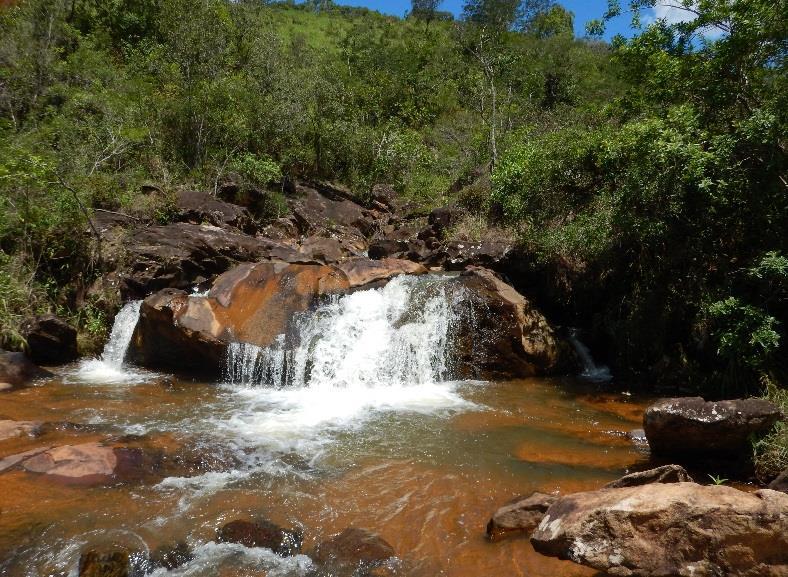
x,y
670,529
352,548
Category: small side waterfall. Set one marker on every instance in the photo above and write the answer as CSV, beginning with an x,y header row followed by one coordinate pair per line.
x,y
120,337
398,335
109,367
591,371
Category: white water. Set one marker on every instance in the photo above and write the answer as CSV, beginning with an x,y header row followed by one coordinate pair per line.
x,y
385,349
109,368
591,371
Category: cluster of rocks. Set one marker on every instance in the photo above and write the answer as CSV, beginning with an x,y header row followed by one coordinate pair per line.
x,y
354,552
660,522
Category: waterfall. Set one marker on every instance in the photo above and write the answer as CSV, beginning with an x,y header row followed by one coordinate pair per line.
x,y
591,371
109,366
397,335
120,337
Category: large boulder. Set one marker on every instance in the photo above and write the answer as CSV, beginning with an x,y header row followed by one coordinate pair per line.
x,y
319,208
675,529
502,334
780,483
519,516
51,340
690,426
252,303
16,369
183,255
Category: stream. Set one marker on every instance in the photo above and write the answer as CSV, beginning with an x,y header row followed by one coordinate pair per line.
x,y
355,423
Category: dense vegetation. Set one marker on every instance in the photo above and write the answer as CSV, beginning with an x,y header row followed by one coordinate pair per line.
x,y
645,179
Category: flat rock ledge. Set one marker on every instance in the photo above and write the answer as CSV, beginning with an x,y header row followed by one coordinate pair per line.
x,y
667,530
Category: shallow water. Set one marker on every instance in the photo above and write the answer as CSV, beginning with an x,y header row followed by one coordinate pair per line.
x,y
422,466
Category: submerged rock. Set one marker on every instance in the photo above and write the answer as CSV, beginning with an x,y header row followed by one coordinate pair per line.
x,y
664,474
51,340
16,369
519,516
354,551
262,533
171,556
104,564
10,429
690,426
662,530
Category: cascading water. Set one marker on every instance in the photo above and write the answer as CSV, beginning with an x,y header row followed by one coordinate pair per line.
x,y
372,350
591,371
109,367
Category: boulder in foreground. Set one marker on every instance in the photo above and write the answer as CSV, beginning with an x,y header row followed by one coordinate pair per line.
x,y
667,530
688,426
16,370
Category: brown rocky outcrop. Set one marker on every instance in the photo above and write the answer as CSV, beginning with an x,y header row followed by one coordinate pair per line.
x,y
519,516
183,255
203,208
690,426
662,530
262,533
51,340
505,336
780,483
252,303
16,369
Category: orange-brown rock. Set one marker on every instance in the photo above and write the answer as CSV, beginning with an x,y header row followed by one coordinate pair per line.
x,y
506,336
673,529
251,303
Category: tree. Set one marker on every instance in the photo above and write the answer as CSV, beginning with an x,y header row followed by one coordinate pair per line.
x,y
424,9
495,15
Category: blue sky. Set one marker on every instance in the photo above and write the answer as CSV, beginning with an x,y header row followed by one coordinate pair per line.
x,y
584,10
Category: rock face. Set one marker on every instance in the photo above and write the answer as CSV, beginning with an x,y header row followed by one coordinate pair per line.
x,y
519,516
51,340
691,426
183,255
252,303
780,483
204,208
509,337
16,369
664,474
262,533
661,530
353,550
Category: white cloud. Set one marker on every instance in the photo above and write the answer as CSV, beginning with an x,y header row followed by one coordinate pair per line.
x,y
672,13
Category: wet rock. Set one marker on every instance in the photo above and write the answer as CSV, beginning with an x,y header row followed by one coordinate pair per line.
x,y
85,464
457,254
104,564
51,340
669,529
519,516
780,483
262,533
10,429
690,426
664,474
363,271
353,550
16,369
202,207
171,556
183,255
252,303
503,334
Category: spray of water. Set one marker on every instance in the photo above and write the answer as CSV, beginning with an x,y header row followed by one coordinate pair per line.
x,y
109,367
591,371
